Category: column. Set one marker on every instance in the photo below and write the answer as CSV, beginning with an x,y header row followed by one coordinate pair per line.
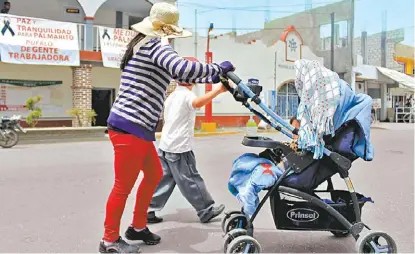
x,y
82,93
89,33
90,8
118,19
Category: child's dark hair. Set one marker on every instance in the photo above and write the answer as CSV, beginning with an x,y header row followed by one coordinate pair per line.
x,y
130,50
293,119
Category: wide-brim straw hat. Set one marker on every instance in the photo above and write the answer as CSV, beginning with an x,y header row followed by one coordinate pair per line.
x,y
162,22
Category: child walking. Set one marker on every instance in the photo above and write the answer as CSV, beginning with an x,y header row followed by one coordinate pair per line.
x,y
177,156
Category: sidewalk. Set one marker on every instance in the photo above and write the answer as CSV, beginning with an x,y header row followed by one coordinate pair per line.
x,y
378,125
241,130
219,132
394,126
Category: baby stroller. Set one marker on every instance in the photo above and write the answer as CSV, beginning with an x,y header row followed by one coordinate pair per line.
x,y
309,212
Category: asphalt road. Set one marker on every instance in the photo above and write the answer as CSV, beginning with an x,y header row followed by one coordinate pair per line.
x,y
53,197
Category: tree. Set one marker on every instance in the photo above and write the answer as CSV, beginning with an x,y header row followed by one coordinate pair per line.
x,y
35,112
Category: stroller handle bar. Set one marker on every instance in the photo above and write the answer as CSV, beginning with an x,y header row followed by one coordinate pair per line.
x,y
235,79
343,163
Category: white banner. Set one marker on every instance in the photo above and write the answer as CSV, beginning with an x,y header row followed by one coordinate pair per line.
x,y
25,40
113,42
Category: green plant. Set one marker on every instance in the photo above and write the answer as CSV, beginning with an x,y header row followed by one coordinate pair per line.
x,y
35,112
76,113
91,116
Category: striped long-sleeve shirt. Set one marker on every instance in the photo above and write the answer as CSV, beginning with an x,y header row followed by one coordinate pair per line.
x,y
144,80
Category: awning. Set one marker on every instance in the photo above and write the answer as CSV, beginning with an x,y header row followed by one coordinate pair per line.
x,y
402,79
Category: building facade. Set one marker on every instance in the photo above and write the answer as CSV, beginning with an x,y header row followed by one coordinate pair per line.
x,y
272,65
382,67
63,56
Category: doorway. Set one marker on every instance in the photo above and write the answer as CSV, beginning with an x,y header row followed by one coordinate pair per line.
x,y
287,100
102,100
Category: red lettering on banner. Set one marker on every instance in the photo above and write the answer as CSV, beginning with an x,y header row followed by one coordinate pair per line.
x,y
25,21
39,50
114,58
130,33
123,39
119,32
45,32
39,43
122,36
39,53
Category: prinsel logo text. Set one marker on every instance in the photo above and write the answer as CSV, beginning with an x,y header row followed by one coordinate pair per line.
x,y
302,215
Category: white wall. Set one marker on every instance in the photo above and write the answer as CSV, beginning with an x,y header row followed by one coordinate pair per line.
x,y
251,61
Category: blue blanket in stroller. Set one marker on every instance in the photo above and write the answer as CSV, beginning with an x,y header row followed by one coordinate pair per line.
x,y
252,174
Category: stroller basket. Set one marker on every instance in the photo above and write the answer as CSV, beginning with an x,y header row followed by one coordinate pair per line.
x,y
292,214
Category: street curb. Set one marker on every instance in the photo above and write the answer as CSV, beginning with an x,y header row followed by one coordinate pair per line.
x,y
278,132
209,134
379,128
62,141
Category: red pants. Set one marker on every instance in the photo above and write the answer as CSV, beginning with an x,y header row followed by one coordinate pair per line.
x,y
132,155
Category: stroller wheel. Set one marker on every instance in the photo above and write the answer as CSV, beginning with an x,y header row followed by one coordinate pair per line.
x,y
235,221
376,242
226,217
244,244
340,233
234,233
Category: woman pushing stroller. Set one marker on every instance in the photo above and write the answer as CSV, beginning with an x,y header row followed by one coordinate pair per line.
x,y
148,66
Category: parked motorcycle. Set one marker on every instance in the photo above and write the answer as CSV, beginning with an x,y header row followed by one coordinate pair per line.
x,y
9,126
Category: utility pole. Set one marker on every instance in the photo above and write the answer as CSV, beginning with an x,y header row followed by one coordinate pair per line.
x,y
308,5
383,86
352,38
195,31
273,103
233,24
332,42
267,12
383,39
364,48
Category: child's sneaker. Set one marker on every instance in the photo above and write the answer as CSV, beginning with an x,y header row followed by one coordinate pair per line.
x,y
152,218
119,246
144,235
216,211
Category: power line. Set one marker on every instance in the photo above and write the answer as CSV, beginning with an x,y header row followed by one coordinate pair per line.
x,y
262,10
249,7
273,28
267,10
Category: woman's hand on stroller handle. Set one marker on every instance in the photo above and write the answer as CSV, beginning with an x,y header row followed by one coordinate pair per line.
x,y
232,76
225,82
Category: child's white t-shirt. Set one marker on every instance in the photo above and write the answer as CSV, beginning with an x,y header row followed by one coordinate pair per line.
x,y
179,121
